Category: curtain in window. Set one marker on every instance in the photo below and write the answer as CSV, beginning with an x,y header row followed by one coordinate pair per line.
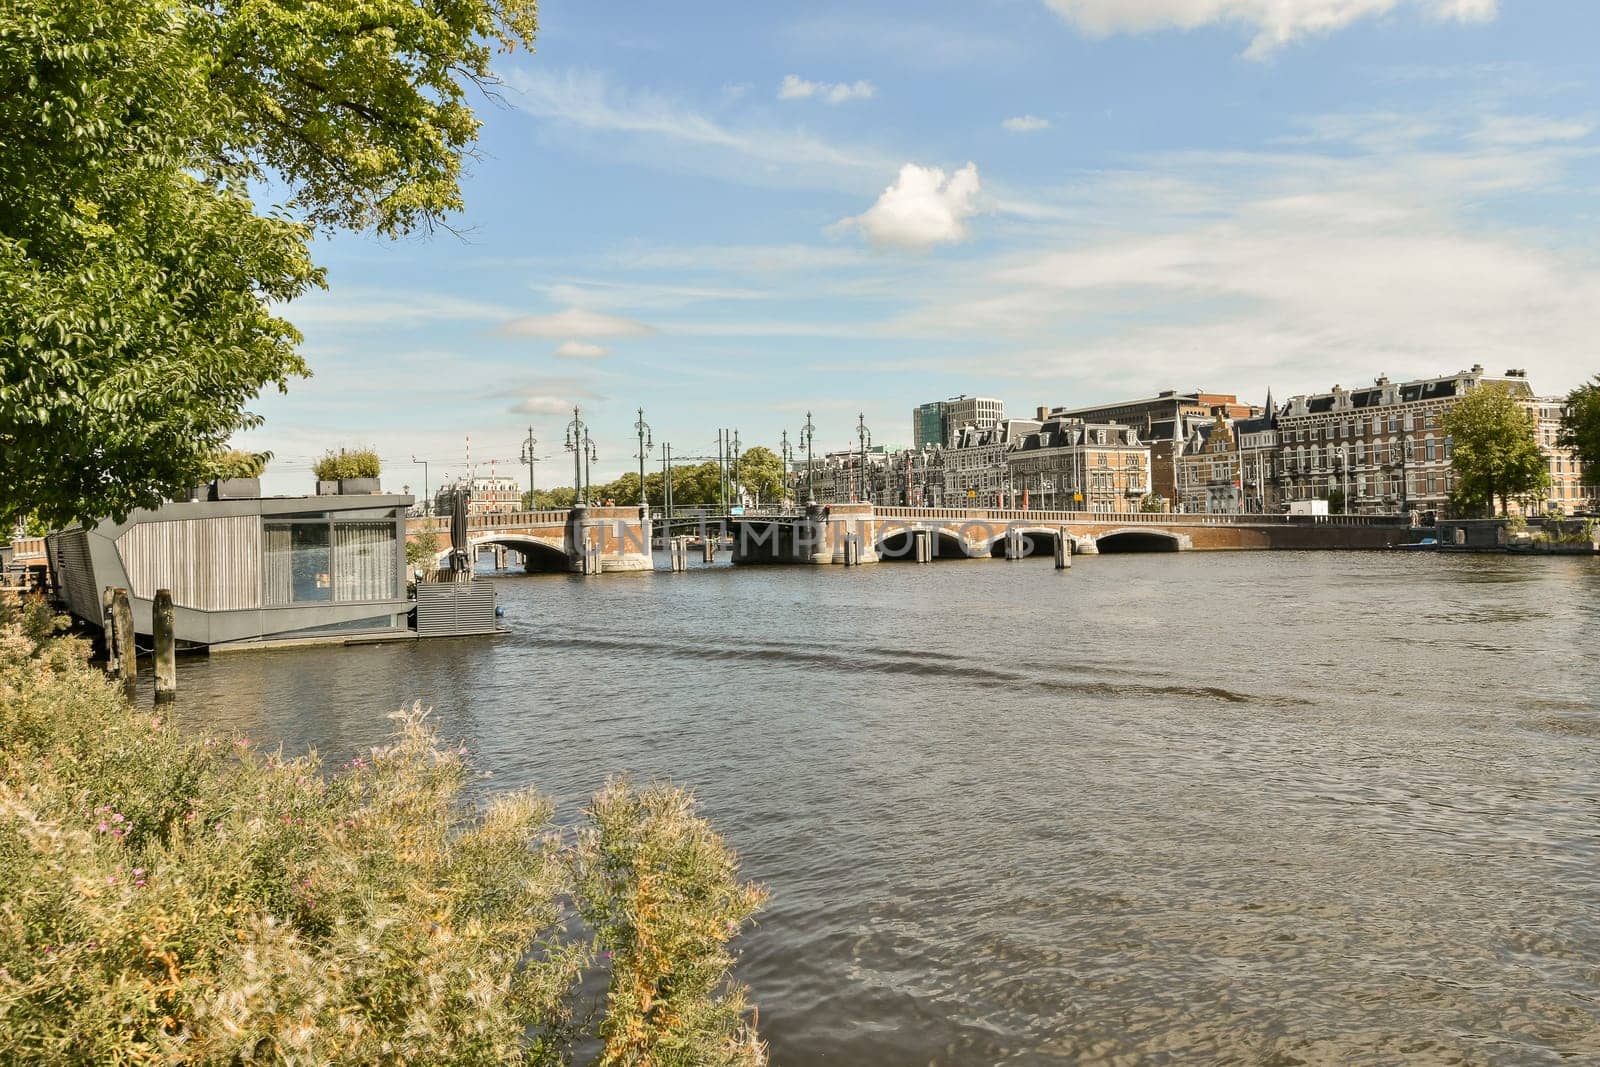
x,y
364,561
279,565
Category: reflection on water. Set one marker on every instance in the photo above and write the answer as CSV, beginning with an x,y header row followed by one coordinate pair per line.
x,y
1267,808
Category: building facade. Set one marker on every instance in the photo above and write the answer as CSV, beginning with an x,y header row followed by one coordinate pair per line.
x,y
489,496
1163,422
1572,488
1229,466
1072,465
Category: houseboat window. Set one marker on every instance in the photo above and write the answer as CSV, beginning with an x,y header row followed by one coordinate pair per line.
x,y
299,564
364,563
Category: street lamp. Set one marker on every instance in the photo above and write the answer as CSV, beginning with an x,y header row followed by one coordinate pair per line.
x,y
530,459
863,435
783,491
646,443
427,501
590,455
577,436
807,433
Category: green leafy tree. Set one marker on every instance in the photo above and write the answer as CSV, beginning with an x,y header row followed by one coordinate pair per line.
x,y
422,551
1152,502
1496,455
556,499
1580,427
138,278
761,472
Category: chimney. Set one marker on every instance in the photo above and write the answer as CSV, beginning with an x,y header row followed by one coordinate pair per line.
x,y
1044,412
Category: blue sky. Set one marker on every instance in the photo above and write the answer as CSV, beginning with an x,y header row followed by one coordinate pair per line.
x,y
731,214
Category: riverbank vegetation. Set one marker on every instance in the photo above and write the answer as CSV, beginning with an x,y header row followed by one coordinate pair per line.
x,y
166,897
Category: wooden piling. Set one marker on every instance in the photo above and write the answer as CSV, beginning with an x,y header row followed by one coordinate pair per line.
x,y
164,627
108,628
708,548
680,554
122,634
1063,552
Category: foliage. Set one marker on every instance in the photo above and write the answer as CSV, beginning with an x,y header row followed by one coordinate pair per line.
x,y
1580,426
138,279
1496,453
237,463
422,551
1152,502
1336,502
352,463
761,473
557,499
661,892
170,898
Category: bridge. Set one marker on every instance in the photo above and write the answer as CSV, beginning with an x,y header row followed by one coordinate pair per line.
x,y
600,540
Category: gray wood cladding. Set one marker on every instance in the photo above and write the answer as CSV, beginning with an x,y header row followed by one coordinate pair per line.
x,y
209,564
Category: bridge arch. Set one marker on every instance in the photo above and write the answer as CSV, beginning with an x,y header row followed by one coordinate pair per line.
x,y
1037,541
1146,539
538,557
894,542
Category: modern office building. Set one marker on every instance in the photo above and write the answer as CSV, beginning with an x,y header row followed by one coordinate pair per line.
x,y
936,423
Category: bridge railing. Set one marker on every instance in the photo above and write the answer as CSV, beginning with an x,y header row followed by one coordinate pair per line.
x,y
27,548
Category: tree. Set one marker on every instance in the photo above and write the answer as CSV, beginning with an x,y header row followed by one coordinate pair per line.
x,y
557,499
422,551
1152,502
1496,455
1580,427
138,279
761,472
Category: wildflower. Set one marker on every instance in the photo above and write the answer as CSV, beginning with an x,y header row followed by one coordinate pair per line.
x,y
117,817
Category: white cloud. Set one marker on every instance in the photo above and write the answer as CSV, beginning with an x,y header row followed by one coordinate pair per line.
x,y
1294,270
1531,130
921,209
1026,124
574,322
369,307
540,405
758,155
1275,22
581,350
795,87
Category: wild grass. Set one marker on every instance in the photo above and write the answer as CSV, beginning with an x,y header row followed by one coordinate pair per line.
x,y
171,898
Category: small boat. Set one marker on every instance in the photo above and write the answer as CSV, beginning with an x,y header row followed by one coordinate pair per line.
x,y
1423,545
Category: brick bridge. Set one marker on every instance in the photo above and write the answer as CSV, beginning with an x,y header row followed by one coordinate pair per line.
x,y
867,533
606,539
592,540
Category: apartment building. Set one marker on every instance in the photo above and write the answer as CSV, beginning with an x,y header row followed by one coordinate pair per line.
x,y
1072,465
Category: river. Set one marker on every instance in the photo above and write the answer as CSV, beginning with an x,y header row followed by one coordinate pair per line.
x,y
1271,808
